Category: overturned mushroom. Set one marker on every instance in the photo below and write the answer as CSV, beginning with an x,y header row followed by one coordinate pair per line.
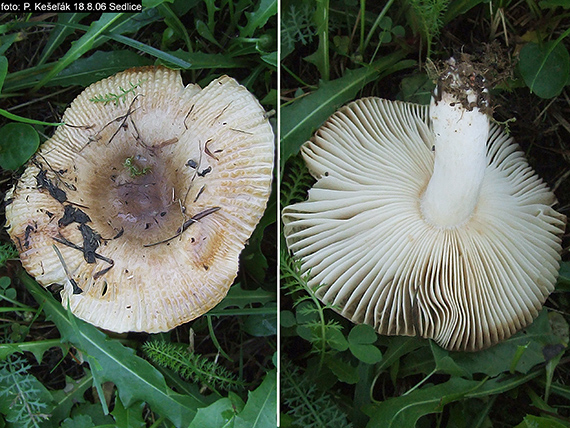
x,y
427,221
142,202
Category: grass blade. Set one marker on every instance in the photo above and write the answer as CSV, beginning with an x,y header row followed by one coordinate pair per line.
x,y
300,119
60,33
174,23
83,45
3,70
157,53
22,119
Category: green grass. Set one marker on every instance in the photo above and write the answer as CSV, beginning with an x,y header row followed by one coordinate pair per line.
x,y
62,371
333,373
384,49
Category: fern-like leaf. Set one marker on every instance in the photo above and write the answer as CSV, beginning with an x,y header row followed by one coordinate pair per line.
x,y
309,407
296,183
7,252
191,366
115,98
296,282
297,286
297,26
430,13
23,399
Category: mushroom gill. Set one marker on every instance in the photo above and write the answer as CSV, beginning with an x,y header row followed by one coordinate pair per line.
x,y
418,233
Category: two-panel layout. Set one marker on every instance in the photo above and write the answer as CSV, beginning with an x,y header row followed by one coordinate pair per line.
x,y
305,213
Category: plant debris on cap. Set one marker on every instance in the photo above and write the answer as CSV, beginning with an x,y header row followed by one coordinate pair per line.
x,y
141,203
467,258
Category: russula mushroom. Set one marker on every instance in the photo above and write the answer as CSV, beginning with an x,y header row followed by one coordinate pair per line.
x,y
427,221
142,202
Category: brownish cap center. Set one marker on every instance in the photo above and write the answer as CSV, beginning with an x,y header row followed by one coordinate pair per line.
x,y
137,195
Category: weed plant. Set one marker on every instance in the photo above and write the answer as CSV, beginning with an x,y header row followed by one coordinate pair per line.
x,y
56,370
385,49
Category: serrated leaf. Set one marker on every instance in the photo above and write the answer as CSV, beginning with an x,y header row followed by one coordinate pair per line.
x,y
445,364
174,23
204,31
239,297
271,59
38,348
300,119
136,379
131,417
532,421
219,414
237,403
259,17
404,411
503,383
65,399
517,356
470,414
260,410
94,411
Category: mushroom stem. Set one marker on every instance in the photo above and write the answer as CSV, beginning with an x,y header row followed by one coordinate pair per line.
x,y
460,139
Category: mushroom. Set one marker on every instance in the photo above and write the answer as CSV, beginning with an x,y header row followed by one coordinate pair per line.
x,y
427,221
142,202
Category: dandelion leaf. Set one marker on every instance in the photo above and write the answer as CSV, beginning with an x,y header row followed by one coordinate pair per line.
x,y
260,411
136,379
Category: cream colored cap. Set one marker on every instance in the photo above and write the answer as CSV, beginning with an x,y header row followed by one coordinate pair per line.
x,y
149,192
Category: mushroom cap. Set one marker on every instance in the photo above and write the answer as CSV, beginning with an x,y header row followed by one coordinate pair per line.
x,y
365,246
149,192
